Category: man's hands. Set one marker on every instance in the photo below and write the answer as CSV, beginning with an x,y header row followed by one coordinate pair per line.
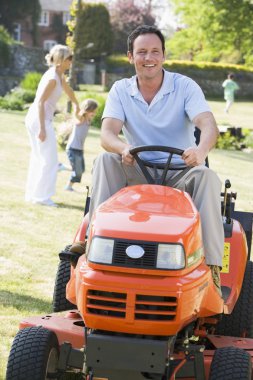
x,y
194,156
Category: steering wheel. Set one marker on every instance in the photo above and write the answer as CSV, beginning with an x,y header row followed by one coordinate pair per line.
x,y
156,178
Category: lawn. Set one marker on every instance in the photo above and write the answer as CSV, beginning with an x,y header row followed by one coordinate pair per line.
x,y
31,236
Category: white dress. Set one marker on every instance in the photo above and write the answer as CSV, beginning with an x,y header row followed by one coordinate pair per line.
x,y
42,173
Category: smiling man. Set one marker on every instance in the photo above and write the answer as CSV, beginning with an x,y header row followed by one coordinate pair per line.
x,y
157,107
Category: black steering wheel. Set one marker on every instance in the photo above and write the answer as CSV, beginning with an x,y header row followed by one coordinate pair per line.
x,y
156,178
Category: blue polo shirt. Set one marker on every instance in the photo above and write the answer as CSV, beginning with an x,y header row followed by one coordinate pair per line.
x,y
167,120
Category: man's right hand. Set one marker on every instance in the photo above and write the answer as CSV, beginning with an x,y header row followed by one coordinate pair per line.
x,y
127,158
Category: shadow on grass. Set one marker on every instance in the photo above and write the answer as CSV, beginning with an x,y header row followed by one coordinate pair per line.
x,y
24,303
64,205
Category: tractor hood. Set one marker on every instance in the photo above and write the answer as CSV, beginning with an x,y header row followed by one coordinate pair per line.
x,y
149,213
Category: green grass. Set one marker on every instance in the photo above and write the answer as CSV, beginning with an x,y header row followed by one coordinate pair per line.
x,y
31,236
240,114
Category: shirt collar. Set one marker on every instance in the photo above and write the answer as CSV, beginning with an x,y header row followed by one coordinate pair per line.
x,y
167,85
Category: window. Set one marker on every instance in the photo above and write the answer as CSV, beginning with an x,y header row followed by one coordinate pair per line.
x,y
16,32
48,44
65,17
44,18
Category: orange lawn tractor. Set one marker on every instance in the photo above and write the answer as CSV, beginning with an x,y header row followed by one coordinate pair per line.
x,y
144,305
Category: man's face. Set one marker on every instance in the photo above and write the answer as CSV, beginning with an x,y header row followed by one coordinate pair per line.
x,y
147,56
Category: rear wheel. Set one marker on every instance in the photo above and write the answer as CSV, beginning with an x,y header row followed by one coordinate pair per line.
x,y
34,355
60,303
230,363
240,321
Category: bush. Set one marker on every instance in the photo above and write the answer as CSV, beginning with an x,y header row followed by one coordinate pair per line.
x,y
31,81
234,139
249,139
3,103
11,102
228,142
26,96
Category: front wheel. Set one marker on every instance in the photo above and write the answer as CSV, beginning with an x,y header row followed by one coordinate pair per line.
x,y
230,363
34,355
60,302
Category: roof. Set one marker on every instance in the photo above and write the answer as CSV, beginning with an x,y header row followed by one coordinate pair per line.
x,y
56,5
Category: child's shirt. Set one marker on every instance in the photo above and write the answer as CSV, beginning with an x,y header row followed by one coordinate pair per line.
x,y
78,136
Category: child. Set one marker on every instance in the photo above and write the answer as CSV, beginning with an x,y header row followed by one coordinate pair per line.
x,y
230,86
76,140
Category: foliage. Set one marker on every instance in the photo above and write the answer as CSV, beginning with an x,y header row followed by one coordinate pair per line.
x,y
234,139
91,31
5,42
13,10
19,96
11,102
26,96
96,122
31,81
249,139
213,31
126,15
120,63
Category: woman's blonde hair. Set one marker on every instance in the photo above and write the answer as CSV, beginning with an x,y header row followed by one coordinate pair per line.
x,y
58,54
88,105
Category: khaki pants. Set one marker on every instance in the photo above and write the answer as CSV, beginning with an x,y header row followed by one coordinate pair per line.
x,y
204,186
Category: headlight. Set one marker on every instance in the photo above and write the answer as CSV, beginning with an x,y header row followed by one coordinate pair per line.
x,y
101,250
170,256
194,257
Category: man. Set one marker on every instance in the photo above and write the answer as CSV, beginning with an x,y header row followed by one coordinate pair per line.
x,y
157,107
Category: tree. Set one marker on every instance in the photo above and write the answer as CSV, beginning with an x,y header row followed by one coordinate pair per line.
x,y
215,30
13,10
125,17
91,37
5,42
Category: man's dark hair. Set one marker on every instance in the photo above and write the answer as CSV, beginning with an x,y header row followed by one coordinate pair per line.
x,y
144,29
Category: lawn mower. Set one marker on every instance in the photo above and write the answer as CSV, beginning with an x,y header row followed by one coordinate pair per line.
x,y
142,301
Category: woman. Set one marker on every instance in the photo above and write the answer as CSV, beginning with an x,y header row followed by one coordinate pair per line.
x,y
43,166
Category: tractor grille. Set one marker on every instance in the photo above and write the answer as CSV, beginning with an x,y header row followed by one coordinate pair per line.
x,y
148,260
113,304
110,304
155,308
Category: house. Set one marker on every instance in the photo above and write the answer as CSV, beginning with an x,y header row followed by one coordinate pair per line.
x,y
51,26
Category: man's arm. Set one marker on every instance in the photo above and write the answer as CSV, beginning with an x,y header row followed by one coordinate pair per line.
x,y
205,121
111,141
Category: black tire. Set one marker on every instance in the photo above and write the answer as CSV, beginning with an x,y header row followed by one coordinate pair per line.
x,y
60,303
230,363
34,355
240,321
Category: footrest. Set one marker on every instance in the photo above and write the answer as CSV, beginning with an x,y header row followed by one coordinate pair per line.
x,y
67,255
